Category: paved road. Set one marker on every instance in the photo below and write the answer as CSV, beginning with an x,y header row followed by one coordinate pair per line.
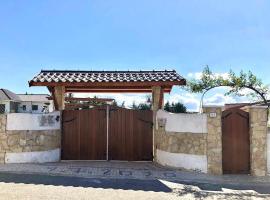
x,y
27,186
122,180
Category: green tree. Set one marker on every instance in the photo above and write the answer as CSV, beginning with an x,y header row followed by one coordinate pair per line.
x,y
179,108
167,106
144,106
236,84
175,107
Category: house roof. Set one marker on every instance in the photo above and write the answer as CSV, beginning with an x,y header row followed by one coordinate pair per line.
x,y
6,95
109,80
34,97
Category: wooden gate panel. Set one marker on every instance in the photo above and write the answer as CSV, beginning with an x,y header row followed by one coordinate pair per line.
x,y
130,134
85,136
70,139
93,134
235,141
146,119
117,134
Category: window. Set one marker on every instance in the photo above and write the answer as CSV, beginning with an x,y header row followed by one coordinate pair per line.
x,y
14,107
24,107
34,107
2,108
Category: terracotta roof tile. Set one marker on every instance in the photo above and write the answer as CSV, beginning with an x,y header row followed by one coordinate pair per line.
x,y
56,76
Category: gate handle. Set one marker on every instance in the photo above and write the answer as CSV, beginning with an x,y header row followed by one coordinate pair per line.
x,y
149,122
70,120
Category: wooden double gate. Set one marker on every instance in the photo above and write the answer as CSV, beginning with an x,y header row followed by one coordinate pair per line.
x,y
235,141
107,133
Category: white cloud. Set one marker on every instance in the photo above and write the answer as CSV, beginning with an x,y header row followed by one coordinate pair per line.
x,y
219,99
191,101
198,75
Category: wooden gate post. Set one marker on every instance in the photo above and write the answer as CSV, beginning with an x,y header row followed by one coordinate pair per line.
x,y
59,97
157,98
157,103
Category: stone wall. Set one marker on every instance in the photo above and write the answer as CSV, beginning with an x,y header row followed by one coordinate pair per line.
x,y
23,144
3,121
268,151
28,141
179,145
258,140
189,143
214,139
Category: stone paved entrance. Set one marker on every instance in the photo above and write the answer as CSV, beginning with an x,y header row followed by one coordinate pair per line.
x,y
95,169
128,170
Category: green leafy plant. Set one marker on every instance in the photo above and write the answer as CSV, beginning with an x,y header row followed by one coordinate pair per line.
x,y
236,84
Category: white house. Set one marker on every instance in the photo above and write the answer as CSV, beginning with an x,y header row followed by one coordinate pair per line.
x,y
24,103
9,101
35,103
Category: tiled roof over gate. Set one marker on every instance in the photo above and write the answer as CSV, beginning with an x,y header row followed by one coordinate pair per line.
x,y
56,76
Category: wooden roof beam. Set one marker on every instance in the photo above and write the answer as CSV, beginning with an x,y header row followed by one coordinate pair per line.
x,y
110,84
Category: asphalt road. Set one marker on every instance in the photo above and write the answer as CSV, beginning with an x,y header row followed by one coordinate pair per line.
x,y
26,186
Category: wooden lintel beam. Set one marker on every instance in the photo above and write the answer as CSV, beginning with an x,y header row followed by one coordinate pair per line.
x,y
80,104
86,99
113,91
89,99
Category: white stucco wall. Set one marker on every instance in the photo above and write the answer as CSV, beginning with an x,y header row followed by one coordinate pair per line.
x,y
28,121
181,160
181,122
33,157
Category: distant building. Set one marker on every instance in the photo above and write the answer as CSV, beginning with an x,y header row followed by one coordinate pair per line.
x,y
24,103
35,103
9,101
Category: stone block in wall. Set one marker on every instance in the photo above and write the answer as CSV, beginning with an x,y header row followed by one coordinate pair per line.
x,y
27,141
214,140
189,143
13,140
3,122
2,158
258,140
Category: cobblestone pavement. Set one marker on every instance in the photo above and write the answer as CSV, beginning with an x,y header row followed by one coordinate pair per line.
x,y
139,176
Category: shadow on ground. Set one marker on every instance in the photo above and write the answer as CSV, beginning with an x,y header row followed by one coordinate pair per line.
x,y
130,184
124,184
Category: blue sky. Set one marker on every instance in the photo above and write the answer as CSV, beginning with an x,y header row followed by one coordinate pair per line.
x,y
120,35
